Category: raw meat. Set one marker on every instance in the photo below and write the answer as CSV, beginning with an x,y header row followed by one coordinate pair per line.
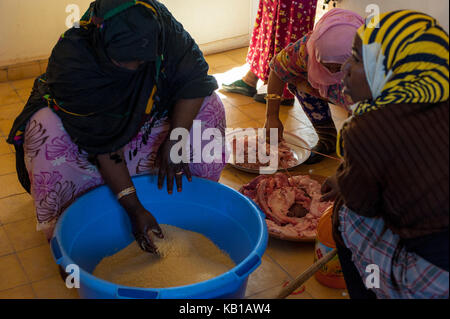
x,y
286,158
279,196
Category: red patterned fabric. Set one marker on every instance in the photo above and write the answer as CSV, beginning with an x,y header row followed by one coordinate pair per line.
x,y
278,23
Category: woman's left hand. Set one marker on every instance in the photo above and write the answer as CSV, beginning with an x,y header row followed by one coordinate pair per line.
x,y
330,189
170,169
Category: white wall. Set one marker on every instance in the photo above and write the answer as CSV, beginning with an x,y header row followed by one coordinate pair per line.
x,y
212,20
30,28
435,8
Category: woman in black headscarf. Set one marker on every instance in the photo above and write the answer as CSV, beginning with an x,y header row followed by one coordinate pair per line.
x,y
115,88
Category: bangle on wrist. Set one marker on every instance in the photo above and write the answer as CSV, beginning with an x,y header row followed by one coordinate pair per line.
x,y
272,97
126,192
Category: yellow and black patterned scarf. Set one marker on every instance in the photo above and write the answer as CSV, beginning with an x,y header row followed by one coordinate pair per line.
x,y
406,60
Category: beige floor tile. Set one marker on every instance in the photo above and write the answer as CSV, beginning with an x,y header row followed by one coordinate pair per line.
x,y
15,208
5,87
5,245
244,176
233,116
24,71
237,99
10,112
323,172
328,171
331,163
319,291
273,292
286,114
22,84
11,272
21,292
24,94
4,147
10,186
5,126
297,112
255,111
3,75
219,60
226,68
338,112
227,103
238,55
267,275
230,179
53,288
43,66
295,258
212,71
292,256
339,123
291,123
7,163
38,262
246,124
23,234
8,96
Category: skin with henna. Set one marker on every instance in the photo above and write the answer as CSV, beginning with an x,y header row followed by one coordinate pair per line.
x,y
113,169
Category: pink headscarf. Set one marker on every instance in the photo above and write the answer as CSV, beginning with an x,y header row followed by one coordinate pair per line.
x,y
331,42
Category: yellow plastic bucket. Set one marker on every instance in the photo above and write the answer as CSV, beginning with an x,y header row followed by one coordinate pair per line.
x,y
330,274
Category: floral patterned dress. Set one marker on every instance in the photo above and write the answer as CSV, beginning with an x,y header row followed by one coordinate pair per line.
x,y
291,65
59,172
278,23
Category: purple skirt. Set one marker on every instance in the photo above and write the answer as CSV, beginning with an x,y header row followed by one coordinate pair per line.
x,y
59,172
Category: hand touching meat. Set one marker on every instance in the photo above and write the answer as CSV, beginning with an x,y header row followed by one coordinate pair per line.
x,y
330,189
274,122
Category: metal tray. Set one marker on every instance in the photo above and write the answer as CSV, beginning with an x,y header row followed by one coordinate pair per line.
x,y
301,154
318,178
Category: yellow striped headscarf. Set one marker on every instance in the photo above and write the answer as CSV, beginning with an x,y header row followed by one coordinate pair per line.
x,y
406,60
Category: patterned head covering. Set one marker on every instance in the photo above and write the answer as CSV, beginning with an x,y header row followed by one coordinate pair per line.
x,y
103,106
406,60
331,42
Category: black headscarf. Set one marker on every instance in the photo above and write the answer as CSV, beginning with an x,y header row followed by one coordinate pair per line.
x,y
101,105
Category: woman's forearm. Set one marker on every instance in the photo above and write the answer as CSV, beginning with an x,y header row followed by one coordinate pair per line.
x,y
114,171
184,112
275,86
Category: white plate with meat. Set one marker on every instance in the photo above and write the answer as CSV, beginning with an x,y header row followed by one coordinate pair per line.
x,y
291,204
292,151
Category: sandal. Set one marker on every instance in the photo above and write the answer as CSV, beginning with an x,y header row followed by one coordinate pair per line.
x,y
239,87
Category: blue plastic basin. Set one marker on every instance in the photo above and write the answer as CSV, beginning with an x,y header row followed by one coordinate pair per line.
x,y
95,226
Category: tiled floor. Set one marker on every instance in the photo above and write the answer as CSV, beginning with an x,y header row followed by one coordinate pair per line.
x,y
27,269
